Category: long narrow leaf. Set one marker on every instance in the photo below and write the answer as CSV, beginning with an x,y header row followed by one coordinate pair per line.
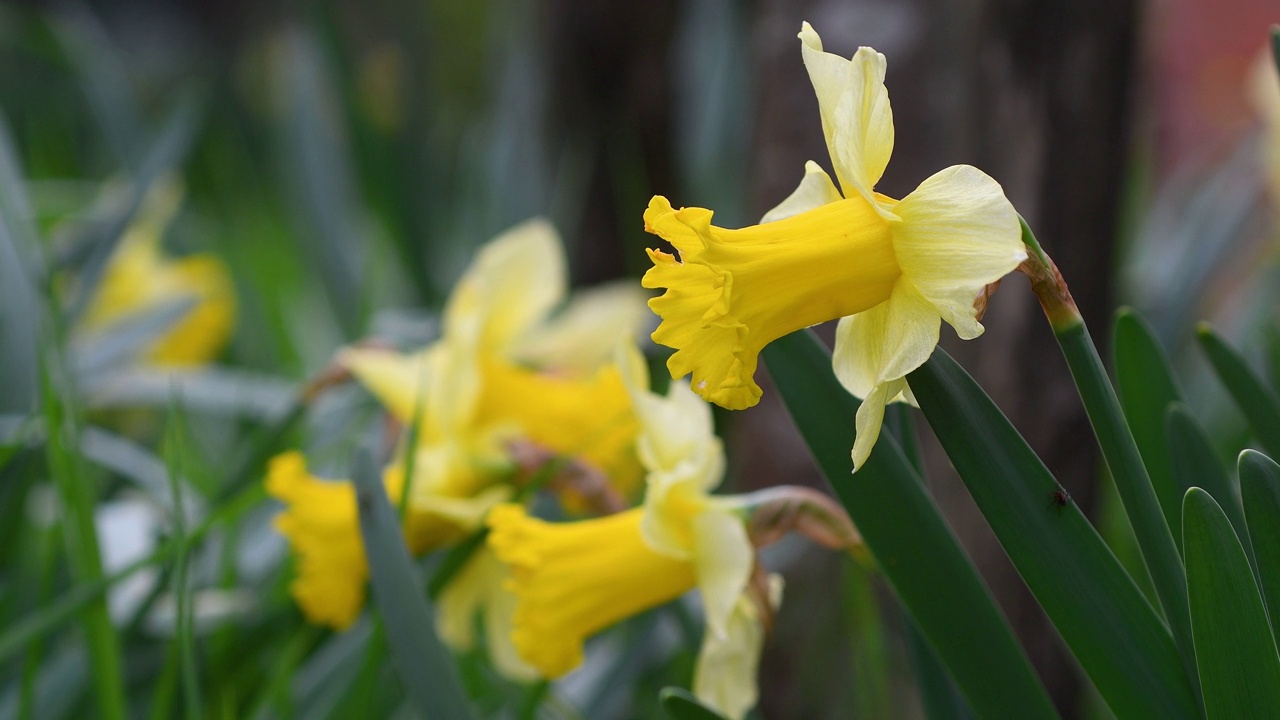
x,y
1257,401
1239,667
1113,631
1195,464
681,704
913,545
1260,488
425,666
1146,386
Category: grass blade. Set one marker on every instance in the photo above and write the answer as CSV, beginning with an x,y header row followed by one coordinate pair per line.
x,y
186,653
1113,631
1239,667
1257,401
680,704
1260,489
426,668
913,545
1146,386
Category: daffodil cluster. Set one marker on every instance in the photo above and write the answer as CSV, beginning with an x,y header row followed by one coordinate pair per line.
x,y
492,401
890,270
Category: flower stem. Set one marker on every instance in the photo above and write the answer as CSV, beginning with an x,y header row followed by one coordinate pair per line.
x,y
1116,441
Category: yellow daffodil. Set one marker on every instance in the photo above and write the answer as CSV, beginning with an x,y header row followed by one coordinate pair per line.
x,y
890,270
573,579
480,587
138,278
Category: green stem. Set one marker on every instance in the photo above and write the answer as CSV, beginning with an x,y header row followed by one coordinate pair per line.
x,y
1119,449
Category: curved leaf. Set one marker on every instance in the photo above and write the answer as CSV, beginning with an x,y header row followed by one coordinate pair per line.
x,y
1257,401
1239,667
1260,488
681,704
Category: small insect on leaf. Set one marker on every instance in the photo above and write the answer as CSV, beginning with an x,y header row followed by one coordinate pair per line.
x,y
1059,498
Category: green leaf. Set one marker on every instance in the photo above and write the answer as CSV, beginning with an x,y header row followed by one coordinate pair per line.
x,y
1258,403
1239,667
680,704
1275,45
1146,386
1260,489
1196,465
914,547
1113,631
425,666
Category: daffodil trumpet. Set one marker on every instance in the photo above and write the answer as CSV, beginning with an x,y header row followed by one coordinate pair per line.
x,y
890,270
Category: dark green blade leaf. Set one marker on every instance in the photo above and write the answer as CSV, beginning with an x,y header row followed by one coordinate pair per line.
x,y
1196,465
1146,386
1275,45
1239,667
938,693
912,544
1258,403
1260,488
1110,627
425,666
681,704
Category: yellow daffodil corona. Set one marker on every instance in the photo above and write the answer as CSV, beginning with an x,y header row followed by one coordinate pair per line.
x,y
890,270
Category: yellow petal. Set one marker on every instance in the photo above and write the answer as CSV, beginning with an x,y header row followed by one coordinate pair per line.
x,y
724,558
574,579
958,233
590,419
200,335
725,675
854,106
886,342
734,291
511,286
479,588
815,190
871,417
582,337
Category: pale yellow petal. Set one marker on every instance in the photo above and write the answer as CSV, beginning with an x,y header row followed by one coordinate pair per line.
x,y
478,589
958,233
724,558
512,285
815,190
397,380
725,675
871,417
581,338
886,342
854,106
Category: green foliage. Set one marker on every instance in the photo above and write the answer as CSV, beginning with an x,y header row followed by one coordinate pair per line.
x,y
680,704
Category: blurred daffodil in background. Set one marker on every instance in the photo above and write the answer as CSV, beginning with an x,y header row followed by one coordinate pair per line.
x,y
891,270
496,409
141,278
573,579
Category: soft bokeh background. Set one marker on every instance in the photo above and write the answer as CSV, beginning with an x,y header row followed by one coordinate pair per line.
x,y
345,158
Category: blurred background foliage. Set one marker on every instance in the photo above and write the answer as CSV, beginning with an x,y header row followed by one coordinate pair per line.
x,y
345,159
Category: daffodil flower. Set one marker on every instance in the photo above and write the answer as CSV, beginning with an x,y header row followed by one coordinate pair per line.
x,y
891,270
139,277
574,579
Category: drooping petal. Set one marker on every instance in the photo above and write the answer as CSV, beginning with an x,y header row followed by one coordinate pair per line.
x,y
512,285
581,338
574,579
725,675
199,336
724,557
958,233
854,106
870,418
815,190
886,342
734,291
